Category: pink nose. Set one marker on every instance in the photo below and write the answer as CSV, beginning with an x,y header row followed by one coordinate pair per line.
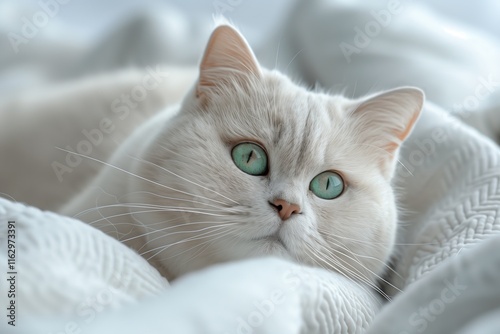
x,y
285,209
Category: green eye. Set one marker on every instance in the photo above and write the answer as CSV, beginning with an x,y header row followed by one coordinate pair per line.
x,y
250,158
327,185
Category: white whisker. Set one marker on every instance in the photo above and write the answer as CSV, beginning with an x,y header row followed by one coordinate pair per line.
x,y
137,176
172,209
168,228
183,178
354,257
200,236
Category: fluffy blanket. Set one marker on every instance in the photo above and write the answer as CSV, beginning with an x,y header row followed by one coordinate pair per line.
x,y
71,278
66,268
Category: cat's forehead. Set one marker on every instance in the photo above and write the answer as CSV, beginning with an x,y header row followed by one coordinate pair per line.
x,y
305,128
296,126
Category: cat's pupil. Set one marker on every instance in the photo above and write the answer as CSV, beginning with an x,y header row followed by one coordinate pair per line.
x,y
250,156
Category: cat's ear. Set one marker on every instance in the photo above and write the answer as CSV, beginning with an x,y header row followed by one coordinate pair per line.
x,y
385,120
227,58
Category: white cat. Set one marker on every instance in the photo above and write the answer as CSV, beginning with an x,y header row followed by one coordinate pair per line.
x,y
250,164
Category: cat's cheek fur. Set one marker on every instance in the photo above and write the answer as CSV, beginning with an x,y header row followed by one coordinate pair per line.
x,y
358,229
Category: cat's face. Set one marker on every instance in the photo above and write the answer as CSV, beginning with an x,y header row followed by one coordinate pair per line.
x,y
256,165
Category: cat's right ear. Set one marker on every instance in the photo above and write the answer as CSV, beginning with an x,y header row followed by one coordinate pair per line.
x,y
227,59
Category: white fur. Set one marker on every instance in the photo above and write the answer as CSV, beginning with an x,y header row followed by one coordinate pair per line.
x,y
173,193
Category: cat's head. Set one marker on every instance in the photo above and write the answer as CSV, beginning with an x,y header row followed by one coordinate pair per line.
x,y
256,165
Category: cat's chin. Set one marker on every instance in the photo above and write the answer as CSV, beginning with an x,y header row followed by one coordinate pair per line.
x,y
272,245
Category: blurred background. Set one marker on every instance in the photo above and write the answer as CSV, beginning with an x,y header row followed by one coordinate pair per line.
x,y
80,37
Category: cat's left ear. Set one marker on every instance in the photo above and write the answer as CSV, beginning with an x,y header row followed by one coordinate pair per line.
x,y
227,59
385,120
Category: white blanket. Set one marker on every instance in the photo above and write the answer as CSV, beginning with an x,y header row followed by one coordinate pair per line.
x,y
66,268
70,276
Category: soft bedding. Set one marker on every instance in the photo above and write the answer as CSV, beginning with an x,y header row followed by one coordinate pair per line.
x,y
68,269
72,278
